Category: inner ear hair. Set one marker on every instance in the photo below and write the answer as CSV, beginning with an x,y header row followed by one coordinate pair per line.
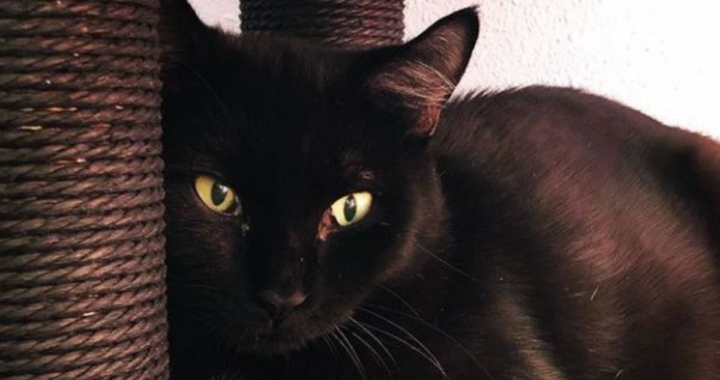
x,y
416,84
421,75
419,87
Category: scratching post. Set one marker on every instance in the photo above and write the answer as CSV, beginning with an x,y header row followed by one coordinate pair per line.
x,y
82,294
337,23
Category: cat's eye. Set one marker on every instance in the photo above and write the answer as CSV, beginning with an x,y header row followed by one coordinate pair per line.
x,y
351,208
217,196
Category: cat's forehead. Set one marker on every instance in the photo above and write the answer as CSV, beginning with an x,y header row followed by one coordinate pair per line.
x,y
287,63
293,111
286,91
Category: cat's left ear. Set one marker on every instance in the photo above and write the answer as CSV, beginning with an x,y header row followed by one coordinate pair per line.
x,y
183,36
420,75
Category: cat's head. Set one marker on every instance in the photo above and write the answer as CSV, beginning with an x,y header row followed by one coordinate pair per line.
x,y
298,179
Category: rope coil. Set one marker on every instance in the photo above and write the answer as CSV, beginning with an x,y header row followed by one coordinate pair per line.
x,y
336,23
82,272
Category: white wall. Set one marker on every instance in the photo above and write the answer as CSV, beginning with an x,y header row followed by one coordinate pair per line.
x,y
660,56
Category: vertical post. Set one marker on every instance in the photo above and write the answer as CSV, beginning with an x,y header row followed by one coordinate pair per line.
x,y
82,272
351,24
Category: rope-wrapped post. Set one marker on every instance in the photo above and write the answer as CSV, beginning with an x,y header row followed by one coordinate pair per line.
x,y
82,293
343,24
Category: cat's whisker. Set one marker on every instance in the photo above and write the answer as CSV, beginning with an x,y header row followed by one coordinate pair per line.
x,y
422,349
400,298
446,263
243,336
350,350
374,338
427,324
402,329
419,351
330,346
288,360
378,341
376,355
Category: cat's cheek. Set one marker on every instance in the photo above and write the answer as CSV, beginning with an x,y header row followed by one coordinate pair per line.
x,y
356,257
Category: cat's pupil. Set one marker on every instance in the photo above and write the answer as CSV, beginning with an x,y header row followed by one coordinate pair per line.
x,y
350,208
218,194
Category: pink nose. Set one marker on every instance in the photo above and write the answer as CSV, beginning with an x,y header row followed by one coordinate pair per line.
x,y
278,305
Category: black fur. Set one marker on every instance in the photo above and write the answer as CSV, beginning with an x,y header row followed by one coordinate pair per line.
x,y
538,233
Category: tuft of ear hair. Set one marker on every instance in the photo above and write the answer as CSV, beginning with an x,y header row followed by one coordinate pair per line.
x,y
422,74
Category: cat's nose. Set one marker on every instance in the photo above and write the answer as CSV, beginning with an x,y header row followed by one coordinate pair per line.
x,y
279,305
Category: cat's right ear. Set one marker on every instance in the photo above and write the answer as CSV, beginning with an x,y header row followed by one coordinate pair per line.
x,y
417,78
182,34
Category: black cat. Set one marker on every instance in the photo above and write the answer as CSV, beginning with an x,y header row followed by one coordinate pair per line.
x,y
332,216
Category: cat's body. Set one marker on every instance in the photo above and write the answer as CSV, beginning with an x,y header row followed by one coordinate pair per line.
x,y
540,233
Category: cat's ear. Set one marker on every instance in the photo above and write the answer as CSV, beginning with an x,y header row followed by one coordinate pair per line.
x,y
182,33
705,166
420,75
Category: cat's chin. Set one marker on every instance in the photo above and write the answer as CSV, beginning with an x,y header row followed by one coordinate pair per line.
x,y
267,345
283,338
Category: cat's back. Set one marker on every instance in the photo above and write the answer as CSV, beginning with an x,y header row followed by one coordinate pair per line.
x,y
584,158
551,118
615,211
573,138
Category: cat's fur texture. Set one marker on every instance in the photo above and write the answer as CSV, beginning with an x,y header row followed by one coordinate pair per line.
x,y
537,233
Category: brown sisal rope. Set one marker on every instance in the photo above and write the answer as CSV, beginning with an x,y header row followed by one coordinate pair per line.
x,y
82,272
336,23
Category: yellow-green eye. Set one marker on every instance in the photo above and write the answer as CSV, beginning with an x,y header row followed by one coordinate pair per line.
x,y
217,196
351,208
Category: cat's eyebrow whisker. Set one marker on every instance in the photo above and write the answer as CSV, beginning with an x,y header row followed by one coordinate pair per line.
x,y
427,324
446,263
372,336
421,349
350,350
207,85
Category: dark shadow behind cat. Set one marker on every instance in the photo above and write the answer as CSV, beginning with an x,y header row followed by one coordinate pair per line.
x,y
332,216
